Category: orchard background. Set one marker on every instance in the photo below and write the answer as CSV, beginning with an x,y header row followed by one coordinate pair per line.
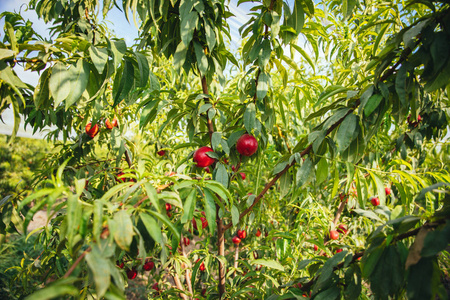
x,y
346,197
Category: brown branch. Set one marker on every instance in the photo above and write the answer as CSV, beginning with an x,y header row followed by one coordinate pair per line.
x,y
236,258
177,281
127,157
221,251
209,121
75,264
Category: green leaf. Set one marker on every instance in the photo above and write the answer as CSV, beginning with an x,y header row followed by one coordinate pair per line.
x,y
152,228
297,19
322,170
327,269
57,289
328,294
221,174
100,270
202,61
42,91
59,83
189,206
79,78
123,83
372,104
305,55
367,213
168,223
215,140
436,241
99,57
304,173
210,210
123,234
268,263
144,69
263,85
235,215
6,53
347,132
152,195
250,117
180,56
118,49
220,190
329,92
378,183
423,278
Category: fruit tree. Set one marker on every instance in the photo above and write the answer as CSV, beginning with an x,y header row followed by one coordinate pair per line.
x,y
312,161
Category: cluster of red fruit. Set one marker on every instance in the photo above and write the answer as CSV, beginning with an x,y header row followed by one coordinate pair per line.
x,y
132,273
202,219
246,145
375,201
241,234
92,131
202,267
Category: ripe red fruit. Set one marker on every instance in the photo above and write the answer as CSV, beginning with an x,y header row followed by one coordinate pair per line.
x,y
202,159
342,229
242,175
207,170
203,292
161,152
204,222
419,118
91,131
375,201
387,191
111,125
316,248
148,266
258,233
168,206
120,178
202,265
186,241
339,250
233,168
242,234
155,287
194,223
120,265
236,240
247,145
131,274
334,235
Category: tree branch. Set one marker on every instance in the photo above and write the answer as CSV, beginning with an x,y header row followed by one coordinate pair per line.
x,y
75,264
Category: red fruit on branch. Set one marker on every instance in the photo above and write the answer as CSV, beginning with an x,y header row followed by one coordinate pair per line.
x,y
203,292
148,266
236,240
258,233
204,222
155,286
316,248
375,201
334,235
342,229
202,266
120,264
247,145
111,125
207,170
242,234
202,159
161,152
242,175
91,131
168,206
338,250
186,241
131,274
387,191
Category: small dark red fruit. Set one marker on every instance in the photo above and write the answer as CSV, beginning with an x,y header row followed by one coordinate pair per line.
x,y
243,175
334,235
258,233
202,159
247,145
186,241
339,250
207,170
342,228
387,191
316,248
242,234
131,274
236,240
202,266
168,206
375,201
203,292
120,264
111,125
204,222
148,266
161,152
155,286
91,131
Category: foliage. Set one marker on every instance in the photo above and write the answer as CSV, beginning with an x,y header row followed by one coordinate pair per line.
x,y
362,115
